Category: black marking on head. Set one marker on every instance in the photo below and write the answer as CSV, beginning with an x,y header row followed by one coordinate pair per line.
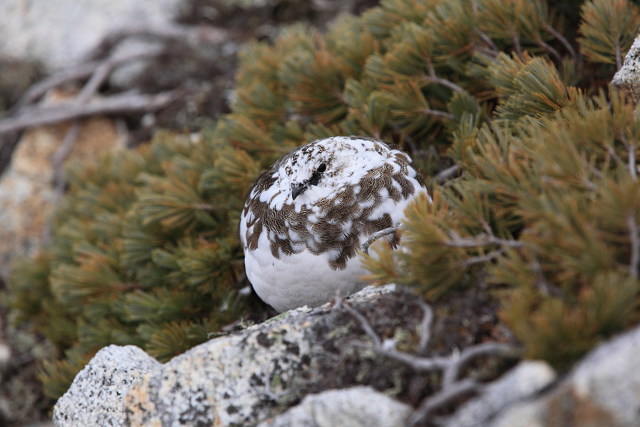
x,y
297,188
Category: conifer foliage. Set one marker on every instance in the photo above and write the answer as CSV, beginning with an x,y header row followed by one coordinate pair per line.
x,y
545,204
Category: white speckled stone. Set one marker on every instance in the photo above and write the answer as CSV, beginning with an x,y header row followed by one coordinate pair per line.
x,y
521,382
95,397
354,407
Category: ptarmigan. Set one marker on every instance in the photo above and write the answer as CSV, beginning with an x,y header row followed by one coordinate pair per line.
x,y
307,216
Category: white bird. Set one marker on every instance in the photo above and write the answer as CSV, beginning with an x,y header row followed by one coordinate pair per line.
x,y
305,219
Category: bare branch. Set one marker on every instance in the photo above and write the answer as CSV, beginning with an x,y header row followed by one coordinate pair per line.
x,y
635,246
613,154
442,398
480,259
452,372
61,154
58,171
480,240
491,49
378,234
364,323
444,82
127,102
516,42
191,36
541,282
432,77
205,207
437,113
451,366
425,326
78,72
555,33
632,162
446,174
549,49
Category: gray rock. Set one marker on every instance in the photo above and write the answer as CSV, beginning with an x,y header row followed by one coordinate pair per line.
x,y
96,396
254,374
39,30
250,376
627,78
602,390
522,382
354,407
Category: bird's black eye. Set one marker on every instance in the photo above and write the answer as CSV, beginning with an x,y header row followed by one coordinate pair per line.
x,y
321,168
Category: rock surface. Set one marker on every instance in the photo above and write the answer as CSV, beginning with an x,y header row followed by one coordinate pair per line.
x,y
247,377
521,382
627,78
602,390
39,30
258,375
95,397
354,407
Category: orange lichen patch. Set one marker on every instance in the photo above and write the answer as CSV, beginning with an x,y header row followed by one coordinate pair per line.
x,y
27,189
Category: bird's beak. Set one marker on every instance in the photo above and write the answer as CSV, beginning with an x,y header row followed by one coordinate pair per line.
x,y
298,189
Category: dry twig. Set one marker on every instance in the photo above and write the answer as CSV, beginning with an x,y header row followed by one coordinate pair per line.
x,y
451,366
377,235
127,102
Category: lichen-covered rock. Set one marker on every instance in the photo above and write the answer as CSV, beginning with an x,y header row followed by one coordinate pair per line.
x,y
354,407
602,390
261,371
522,382
96,395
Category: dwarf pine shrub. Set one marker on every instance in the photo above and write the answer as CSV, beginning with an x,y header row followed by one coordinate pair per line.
x,y
511,93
